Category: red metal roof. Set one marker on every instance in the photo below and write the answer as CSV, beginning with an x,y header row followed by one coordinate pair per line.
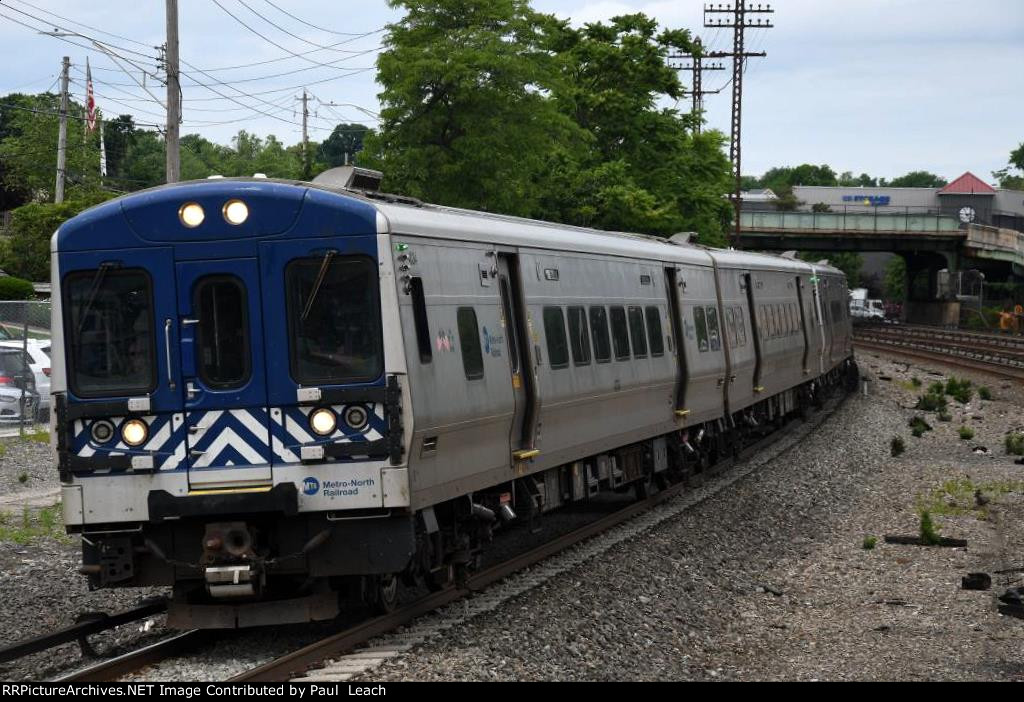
x,y
968,184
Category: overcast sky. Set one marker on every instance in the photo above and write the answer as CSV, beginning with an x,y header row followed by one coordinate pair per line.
x,y
877,86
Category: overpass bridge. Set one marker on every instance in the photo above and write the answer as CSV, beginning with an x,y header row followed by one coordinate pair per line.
x,y
929,242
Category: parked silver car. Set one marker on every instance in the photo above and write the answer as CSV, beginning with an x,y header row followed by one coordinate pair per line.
x,y
39,362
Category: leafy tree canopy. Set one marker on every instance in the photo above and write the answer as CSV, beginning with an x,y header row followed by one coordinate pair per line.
x,y
917,179
342,145
1012,177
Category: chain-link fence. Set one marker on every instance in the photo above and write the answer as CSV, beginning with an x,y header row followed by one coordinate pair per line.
x,y
24,366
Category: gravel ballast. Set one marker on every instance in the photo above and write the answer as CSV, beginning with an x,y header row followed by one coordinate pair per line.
x,y
765,580
769,580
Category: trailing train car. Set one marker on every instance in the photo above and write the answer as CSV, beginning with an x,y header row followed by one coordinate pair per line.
x,y
268,393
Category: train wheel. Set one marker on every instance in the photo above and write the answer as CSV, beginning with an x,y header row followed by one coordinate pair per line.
x,y
384,593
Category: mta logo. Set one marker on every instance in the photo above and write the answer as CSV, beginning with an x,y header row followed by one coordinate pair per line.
x,y
311,486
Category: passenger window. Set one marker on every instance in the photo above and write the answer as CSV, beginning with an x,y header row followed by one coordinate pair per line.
x,y
620,334
579,336
599,328
469,342
419,318
741,329
637,332
730,326
702,329
654,332
554,330
222,334
713,336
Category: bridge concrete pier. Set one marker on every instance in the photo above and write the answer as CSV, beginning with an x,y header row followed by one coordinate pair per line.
x,y
926,302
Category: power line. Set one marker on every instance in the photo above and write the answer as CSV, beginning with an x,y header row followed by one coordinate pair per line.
x,y
274,43
44,22
302,21
291,34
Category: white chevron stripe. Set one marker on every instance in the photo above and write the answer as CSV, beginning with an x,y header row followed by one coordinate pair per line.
x,y
256,426
228,437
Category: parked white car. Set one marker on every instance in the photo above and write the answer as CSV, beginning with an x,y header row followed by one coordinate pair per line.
x,y
39,362
17,386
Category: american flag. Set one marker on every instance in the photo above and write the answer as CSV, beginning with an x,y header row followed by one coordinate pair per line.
x,y
90,101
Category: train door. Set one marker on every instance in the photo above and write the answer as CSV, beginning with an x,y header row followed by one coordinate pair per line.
x,y
522,433
706,367
756,325
673,284
805,326
739,338
819,320
223,373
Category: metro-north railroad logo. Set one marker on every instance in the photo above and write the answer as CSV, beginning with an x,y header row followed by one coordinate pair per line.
x,y
311,486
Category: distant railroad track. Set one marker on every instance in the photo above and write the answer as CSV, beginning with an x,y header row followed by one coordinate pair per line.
x,y
997,354
313,656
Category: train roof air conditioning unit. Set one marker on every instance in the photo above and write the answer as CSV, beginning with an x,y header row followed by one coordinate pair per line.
x,y
351,178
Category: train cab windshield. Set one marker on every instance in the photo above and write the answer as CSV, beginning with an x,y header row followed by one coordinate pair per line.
x,y
334,318
110,332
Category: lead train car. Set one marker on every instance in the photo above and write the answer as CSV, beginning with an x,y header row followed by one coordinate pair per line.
x,y
269,392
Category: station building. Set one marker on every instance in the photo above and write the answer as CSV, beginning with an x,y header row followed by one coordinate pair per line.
x,y
968,198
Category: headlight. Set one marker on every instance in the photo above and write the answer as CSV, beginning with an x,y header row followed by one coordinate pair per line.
x,y
134,432
236,211
323,421
191,214
102,431
356,417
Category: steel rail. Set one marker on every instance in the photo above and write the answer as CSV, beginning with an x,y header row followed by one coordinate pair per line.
x,y
940,355
93,623
114,668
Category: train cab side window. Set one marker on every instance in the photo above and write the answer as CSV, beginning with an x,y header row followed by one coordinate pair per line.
x,y
620,333
419,319
579,336
713,335
599,328
110,331
637,333
222,334
333,306
469,343
654,335
702,329
554,331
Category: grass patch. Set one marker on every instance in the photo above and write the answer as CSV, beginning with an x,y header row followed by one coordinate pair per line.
x,y
931,402
929,530
957,497
915,381
959,389
869,543
23,478
897,446
1015,444
40,437
966,433
47,523
984,393
918,426
945,416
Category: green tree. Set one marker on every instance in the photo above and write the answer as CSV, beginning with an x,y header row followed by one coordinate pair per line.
x,y
27,250
918,179
28,146
1007,177
466,117
341,147
895,279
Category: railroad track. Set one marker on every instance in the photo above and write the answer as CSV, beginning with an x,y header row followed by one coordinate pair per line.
x,y
991,353
310,662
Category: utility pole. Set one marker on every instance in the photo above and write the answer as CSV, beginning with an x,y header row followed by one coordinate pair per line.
x,y
173,95
697,68
305,135
62,135
739,24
